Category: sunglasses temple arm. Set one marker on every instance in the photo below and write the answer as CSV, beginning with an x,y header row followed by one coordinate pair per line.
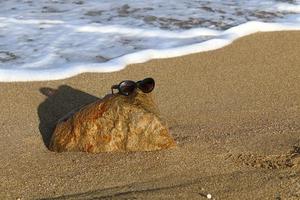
x,y
113,87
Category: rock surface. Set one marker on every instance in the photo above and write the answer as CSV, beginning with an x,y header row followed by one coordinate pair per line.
x,y
114,123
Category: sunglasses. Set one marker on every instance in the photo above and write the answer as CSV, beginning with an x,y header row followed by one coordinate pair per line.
x,y
128,87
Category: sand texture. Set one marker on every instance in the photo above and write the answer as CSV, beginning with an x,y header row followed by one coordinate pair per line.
x,y
234,112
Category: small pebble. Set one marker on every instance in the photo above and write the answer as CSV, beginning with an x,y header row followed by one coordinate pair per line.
x,y
208,196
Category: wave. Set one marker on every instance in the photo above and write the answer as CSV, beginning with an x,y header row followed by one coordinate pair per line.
x,y
53,40
222,39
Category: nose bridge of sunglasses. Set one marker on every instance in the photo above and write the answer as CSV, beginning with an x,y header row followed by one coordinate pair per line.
x,y
138,83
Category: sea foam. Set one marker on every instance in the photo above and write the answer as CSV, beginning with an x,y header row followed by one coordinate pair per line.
x,y
59,39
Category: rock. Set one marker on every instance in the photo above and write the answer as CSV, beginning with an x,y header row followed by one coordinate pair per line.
x,y
114,123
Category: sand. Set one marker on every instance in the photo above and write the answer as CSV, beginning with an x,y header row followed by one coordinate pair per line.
x,y
234,112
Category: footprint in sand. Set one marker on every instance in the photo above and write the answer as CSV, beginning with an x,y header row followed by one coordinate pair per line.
x,y
290,159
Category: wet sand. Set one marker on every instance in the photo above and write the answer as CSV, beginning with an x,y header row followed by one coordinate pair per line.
x,y
234,112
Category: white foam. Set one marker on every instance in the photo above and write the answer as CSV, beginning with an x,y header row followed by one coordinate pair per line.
x,y
148,33
30,21
288,7
225,38
37,46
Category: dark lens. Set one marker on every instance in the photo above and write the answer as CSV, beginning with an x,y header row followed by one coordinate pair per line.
x,y
127,87
146,85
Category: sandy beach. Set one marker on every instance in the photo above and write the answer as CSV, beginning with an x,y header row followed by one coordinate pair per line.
x,y
234,112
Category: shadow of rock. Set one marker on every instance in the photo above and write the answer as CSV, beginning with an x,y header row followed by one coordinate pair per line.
x,y
58,104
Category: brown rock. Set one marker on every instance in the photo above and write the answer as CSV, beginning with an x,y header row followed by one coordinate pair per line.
x,y
115,123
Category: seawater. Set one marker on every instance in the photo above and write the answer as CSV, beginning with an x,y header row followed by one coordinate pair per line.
x,y
55,39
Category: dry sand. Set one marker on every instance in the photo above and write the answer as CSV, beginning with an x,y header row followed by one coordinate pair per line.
x,y
235,113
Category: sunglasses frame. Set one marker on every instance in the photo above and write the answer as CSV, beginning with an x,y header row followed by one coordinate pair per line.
x,y
137,85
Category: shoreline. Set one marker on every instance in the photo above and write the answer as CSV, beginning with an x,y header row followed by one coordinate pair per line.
x,y
220,40
234,112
